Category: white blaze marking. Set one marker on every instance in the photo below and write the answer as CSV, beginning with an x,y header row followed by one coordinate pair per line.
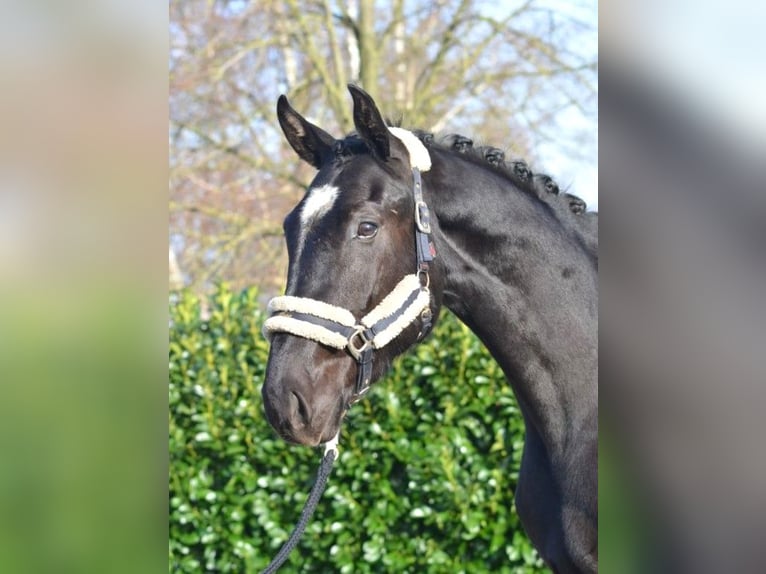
x,y
419,156
318,202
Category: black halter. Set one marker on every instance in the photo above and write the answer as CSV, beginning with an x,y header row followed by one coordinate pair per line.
x,y
336,327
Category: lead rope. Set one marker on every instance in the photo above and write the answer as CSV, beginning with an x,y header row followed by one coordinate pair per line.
x,y
331,452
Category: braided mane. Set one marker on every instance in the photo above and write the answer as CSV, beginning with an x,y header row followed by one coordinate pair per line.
x,y
541,184
569,207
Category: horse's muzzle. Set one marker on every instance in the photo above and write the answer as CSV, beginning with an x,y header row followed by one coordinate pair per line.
x,y
297,418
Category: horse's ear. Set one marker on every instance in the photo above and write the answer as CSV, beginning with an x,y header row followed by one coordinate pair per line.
x,y
369,123
310,142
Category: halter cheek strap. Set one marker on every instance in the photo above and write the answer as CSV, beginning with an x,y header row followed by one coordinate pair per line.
x,y
337,328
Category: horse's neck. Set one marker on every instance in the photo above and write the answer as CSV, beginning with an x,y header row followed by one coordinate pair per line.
x,y
527,288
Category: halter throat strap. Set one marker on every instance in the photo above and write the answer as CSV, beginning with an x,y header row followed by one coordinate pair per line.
x,y
337,327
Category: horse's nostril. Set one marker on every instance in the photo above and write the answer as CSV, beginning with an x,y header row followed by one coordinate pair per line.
x,y
300,408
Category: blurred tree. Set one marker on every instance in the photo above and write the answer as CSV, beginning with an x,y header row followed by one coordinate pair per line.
x,y
499,73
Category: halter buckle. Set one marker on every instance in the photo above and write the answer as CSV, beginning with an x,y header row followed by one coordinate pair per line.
x,y
422,217
425,278
356,337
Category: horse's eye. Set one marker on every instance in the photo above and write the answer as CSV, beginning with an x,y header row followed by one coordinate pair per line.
x,y
366,229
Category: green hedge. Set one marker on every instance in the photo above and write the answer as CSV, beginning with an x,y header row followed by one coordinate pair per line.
x,y
424,483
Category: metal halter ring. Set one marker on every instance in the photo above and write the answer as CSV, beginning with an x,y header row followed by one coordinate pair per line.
x,y
423,273
358,335
422,217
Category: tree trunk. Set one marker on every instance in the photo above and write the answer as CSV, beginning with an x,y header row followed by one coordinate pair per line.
x,y
368,50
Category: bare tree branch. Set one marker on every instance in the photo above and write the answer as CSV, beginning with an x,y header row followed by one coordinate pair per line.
x,y
445,64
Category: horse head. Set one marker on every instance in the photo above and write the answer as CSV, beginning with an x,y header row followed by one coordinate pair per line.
x,y
359,289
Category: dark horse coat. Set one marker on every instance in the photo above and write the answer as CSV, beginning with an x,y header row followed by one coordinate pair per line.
x,y
515,260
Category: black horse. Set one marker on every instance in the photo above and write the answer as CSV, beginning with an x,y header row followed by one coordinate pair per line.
x,y
394,226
